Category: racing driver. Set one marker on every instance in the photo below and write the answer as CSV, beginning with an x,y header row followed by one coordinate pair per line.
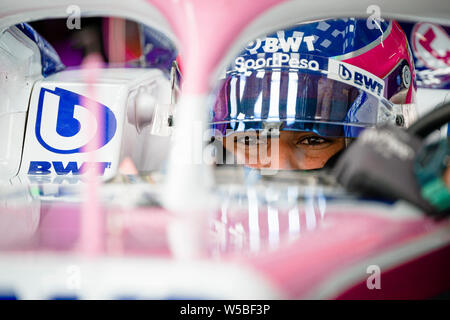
x,y
293,100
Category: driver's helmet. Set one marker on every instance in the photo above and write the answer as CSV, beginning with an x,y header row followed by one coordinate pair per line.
x,y
332,77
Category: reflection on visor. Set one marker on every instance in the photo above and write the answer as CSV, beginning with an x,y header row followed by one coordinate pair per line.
x,y
300,101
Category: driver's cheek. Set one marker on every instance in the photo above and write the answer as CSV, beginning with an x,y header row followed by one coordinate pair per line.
x,y
317,159
312,160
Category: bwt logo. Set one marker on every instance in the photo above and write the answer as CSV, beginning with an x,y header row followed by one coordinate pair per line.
x,y
45,167
360,79
289,44
65,126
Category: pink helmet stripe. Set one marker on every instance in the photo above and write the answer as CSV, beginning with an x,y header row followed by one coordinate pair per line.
x,y
380,61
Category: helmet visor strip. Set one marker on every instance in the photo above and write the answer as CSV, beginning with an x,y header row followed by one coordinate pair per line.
x,y
321,95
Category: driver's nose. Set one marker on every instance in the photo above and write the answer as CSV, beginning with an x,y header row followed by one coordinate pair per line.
x,y
284,155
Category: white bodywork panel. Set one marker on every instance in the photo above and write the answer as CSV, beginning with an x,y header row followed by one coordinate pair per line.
x,y
20,66
112,89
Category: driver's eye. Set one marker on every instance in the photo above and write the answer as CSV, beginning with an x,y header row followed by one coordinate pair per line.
x,y
312,141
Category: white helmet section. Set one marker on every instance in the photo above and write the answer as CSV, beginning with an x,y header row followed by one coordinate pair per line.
x,y
57,127
20,65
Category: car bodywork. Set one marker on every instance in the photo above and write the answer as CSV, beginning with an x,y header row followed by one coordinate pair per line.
x,y
184,238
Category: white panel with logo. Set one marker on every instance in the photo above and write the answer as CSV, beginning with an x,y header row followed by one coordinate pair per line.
x,y
60,125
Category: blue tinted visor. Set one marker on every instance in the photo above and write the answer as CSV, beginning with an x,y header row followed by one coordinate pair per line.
x,y
300,100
